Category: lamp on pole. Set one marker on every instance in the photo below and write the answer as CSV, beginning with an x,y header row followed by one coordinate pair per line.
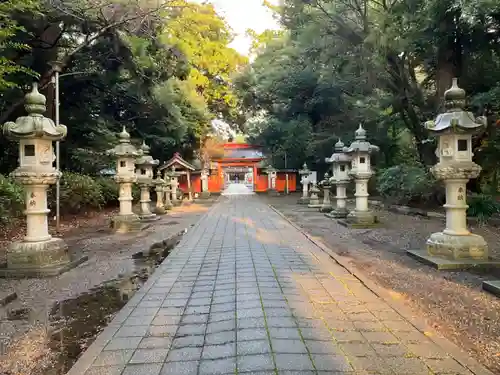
x,y
55,79
56,66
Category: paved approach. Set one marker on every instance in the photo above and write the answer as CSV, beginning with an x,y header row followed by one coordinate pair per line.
x,y
246,293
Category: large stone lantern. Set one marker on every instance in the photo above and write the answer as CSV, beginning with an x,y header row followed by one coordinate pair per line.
x,y
174,185
314,198
272,174
326,206
38,254
340,167
167,191
159,184
205,173
455,246
304,180
126,154
359,152
144,172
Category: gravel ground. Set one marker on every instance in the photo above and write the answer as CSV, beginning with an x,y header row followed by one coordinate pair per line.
x,y
110,258
452,302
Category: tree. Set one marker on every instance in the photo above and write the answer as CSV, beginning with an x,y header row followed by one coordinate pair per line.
x,y
383,63
203,37
10,27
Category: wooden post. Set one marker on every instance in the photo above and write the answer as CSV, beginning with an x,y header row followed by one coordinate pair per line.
x,y
190,193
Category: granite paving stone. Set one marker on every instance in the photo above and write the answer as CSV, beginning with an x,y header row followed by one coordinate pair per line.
x,y
245,292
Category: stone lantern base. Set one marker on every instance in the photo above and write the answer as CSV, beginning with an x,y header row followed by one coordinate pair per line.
x,y
303,200
338,213
314,202
452,252
360,220
160,210
39,259
126,223
205,195
326,208
273,192
149,217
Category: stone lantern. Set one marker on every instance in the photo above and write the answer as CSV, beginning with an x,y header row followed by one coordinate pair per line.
x,y
455,246
174,185
359,152
326,185
167,191
304,180
125,153
272,174
144,172
340,167
314,199
159,184
205,173
38,254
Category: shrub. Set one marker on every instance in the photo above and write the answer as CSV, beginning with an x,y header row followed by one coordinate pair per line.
x,y
11,200
109,190
79,193
482,206
405,184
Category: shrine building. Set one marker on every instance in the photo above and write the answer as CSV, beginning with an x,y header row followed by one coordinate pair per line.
x,y
239,163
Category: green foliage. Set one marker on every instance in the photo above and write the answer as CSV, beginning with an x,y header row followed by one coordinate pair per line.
x,y
406,184
482,206
78,194
109,190
198,32
11,200
9,68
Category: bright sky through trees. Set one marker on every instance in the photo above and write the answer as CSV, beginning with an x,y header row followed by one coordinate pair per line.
x,y
242,15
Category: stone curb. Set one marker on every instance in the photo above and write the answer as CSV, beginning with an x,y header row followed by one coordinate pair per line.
x,y
458,354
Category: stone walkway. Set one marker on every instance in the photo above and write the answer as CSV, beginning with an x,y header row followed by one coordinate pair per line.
x,y
246,293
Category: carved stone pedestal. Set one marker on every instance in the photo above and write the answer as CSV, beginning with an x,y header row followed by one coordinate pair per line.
x,y
314,199
126,223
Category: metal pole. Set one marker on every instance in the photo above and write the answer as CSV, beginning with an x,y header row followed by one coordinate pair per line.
x,y
286,178
58,166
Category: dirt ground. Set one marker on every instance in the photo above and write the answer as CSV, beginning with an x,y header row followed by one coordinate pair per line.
x,y
452,302
26,324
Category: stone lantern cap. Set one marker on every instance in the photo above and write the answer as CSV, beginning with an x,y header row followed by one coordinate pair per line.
x,y
339,156
173,173
360,143
159,181
304,171
124,148
35,124
146,160
455,119
326,180
270,169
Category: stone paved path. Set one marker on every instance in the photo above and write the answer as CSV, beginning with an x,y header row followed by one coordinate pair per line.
x,y
246,293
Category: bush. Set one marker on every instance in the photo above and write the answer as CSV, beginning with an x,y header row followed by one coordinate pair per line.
x,y
78,193
482,206
11,200
109,190
405,184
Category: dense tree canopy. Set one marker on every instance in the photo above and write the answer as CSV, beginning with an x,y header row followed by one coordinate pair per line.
x,y
164,71
385,64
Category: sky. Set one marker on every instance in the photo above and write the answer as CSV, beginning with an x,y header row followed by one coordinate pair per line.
x,y
242,15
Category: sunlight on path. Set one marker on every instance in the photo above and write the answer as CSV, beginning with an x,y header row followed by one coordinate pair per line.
x,y
237,189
